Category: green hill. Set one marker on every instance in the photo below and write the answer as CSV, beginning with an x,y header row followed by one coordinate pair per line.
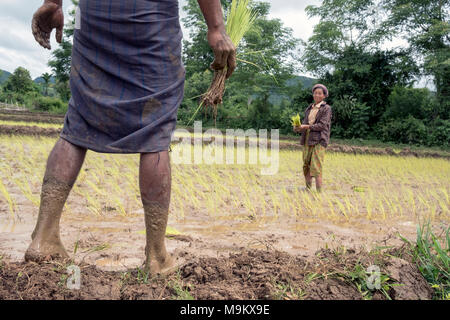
x,y
41,80
4,75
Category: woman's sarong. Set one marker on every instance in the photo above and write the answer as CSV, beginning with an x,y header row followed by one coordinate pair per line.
x,y
313,158
127,76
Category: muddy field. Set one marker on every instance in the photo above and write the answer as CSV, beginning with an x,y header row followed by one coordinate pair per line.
x,y
248,274
228,257
243,236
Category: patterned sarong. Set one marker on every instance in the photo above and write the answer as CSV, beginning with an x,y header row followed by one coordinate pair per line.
x,y
127,77
313,158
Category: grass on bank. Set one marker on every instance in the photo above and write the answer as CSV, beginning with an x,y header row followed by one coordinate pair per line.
x,y
431,254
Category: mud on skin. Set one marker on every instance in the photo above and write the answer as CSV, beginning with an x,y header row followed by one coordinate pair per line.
x,y
46,243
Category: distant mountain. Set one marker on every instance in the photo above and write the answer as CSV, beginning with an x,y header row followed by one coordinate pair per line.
x,y
41,80
306,81
4,75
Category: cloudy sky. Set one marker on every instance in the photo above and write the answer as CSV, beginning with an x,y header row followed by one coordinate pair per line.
x,y
18,47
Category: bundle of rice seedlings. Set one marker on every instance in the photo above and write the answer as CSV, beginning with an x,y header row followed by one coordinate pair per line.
x,y
240,19
296,120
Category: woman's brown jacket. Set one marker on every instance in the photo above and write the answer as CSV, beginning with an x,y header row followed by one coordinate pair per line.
x,y
320,129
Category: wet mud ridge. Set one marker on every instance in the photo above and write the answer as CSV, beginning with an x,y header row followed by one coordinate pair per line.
x,y
255,274
9,112
29,131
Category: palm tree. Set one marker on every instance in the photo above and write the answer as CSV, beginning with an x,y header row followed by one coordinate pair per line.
x,y
46,77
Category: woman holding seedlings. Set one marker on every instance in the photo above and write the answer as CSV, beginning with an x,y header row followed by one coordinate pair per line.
x,y
315,136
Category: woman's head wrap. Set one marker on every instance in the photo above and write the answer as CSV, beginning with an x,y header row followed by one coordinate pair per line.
x,y
325,90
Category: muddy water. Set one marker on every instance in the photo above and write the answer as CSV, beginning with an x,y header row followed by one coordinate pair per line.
x,y
116,242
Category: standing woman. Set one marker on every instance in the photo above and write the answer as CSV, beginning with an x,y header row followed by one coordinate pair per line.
x,y
315,136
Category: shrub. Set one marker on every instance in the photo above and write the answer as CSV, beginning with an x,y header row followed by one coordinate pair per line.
x,y
409,130
418,103
49,104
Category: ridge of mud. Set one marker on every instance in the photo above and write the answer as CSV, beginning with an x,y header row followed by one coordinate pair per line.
x,y
29,113
27,118
406,152
255,274
29,131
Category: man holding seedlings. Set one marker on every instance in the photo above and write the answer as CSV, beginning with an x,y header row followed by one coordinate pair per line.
x,y
127,82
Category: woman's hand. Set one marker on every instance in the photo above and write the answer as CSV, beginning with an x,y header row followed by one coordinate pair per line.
x,y
304,127
48,17
297,129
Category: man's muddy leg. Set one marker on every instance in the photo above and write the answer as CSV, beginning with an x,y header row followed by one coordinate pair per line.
x,y
155,185
63,165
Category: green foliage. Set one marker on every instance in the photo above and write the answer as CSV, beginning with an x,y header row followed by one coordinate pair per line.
x,y
180,289
60,64
425,24
359,276
20,82
46,77
343,24
409,130
62,58
49,104
371,90
268,45
418,103
369,77
287,291
344,51
414,131
431,254
20,89
350,117
414,116
440,133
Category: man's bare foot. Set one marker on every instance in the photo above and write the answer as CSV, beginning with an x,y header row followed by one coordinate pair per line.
x,y
164,266
40,250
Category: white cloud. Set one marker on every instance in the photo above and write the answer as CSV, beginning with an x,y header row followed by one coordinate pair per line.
x,y
17,44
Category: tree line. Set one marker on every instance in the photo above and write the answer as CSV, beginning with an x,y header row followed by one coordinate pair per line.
x,y
373,91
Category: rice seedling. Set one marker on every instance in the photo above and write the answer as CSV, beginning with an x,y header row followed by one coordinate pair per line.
x,y
26,190
296,120
181,290
286,291
218,190
8,198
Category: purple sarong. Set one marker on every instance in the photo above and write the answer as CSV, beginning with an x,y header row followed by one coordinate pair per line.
x,y
127,76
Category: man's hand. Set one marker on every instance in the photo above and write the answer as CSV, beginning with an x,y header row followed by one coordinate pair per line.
x,y
221,44
48,17
224,51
